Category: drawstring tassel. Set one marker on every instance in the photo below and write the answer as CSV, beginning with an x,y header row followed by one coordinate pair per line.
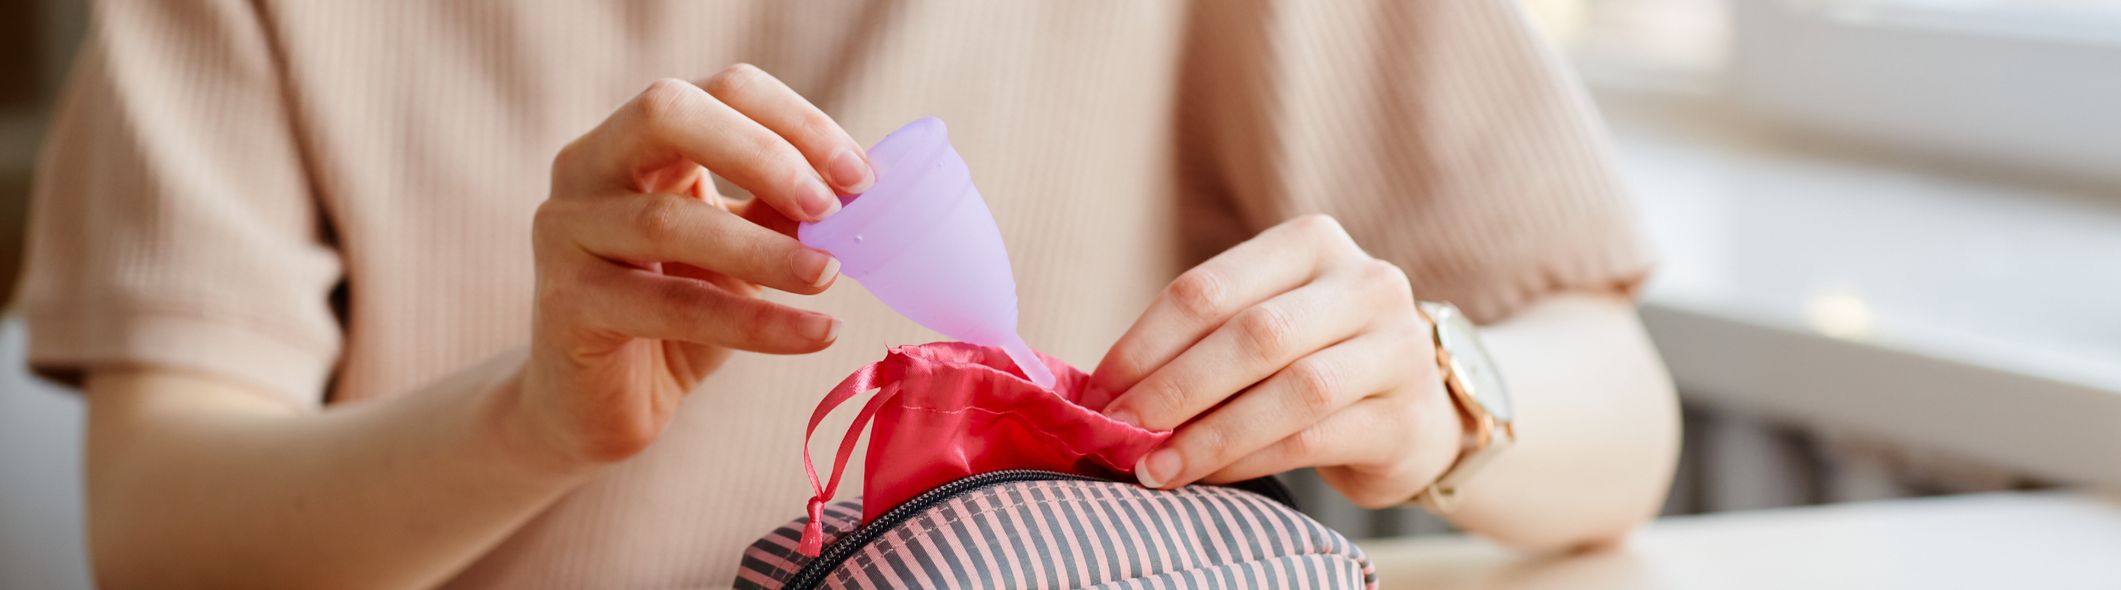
x,y
813,531
862,380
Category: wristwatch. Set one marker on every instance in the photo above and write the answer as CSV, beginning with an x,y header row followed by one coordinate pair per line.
x,y
1482,400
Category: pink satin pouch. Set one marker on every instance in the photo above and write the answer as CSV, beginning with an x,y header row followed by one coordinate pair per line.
x,y
947,410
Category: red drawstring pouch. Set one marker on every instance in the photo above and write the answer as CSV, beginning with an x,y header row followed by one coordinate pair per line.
x,y
944,411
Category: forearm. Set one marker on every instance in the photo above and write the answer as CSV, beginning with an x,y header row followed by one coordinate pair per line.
x,y
194,482
1597,424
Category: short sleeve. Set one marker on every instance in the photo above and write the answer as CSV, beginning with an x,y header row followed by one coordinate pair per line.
x,y
1445,136
172,222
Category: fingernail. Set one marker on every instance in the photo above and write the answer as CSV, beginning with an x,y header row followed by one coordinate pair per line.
x,y
1158,468
1126,416
819,328
850,171
816,265
819,200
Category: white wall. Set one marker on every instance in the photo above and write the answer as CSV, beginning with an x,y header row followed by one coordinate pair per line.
x,y
41,544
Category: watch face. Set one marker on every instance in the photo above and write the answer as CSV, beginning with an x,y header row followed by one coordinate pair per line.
x,y
1476,373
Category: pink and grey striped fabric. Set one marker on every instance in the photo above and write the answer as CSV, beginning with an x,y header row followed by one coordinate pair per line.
x,y
1069,534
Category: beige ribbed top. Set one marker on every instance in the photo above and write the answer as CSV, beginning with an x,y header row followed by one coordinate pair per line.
x,y
332,200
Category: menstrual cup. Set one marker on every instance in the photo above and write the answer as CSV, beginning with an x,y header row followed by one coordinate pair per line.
x,y
921,239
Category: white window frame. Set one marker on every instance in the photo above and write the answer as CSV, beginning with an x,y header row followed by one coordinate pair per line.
x,y
1968,81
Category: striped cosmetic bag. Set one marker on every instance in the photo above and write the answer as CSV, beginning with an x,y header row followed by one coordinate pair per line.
x,y
978,479
1036,529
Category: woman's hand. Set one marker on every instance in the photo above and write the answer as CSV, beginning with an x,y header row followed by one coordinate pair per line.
x,y
646,279
1293,349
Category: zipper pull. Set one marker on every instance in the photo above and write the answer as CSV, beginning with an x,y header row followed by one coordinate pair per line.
x,y
814,530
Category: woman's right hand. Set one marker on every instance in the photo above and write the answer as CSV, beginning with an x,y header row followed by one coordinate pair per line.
x,y
647,279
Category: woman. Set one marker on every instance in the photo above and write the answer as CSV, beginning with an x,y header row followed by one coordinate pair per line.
x,y
284,247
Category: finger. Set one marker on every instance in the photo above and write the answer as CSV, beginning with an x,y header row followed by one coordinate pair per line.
x,y
1372,431
1251,346
764,216
766,99
694,232
1205,297
1297,397
644,304
675,119
727,283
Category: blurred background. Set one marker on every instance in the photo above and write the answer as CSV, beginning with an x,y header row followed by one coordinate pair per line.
x,y
1890,233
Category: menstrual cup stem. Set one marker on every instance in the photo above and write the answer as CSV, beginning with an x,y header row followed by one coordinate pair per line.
x,y
1027,362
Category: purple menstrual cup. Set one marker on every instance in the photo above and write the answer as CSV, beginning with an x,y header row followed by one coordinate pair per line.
x,y
922,241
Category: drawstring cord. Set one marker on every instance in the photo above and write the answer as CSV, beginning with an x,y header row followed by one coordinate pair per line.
x,y
865,379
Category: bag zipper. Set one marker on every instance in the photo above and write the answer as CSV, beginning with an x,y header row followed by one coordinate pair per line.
x,y
813,573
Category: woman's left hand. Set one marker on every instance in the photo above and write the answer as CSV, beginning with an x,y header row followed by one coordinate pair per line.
x,y
1293,349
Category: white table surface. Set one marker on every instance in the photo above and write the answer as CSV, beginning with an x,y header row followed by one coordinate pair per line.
x,y
2047,540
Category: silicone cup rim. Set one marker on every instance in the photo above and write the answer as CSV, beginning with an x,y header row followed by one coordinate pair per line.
x,y
841,234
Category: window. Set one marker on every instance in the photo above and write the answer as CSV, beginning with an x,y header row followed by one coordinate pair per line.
x,y
2018,85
